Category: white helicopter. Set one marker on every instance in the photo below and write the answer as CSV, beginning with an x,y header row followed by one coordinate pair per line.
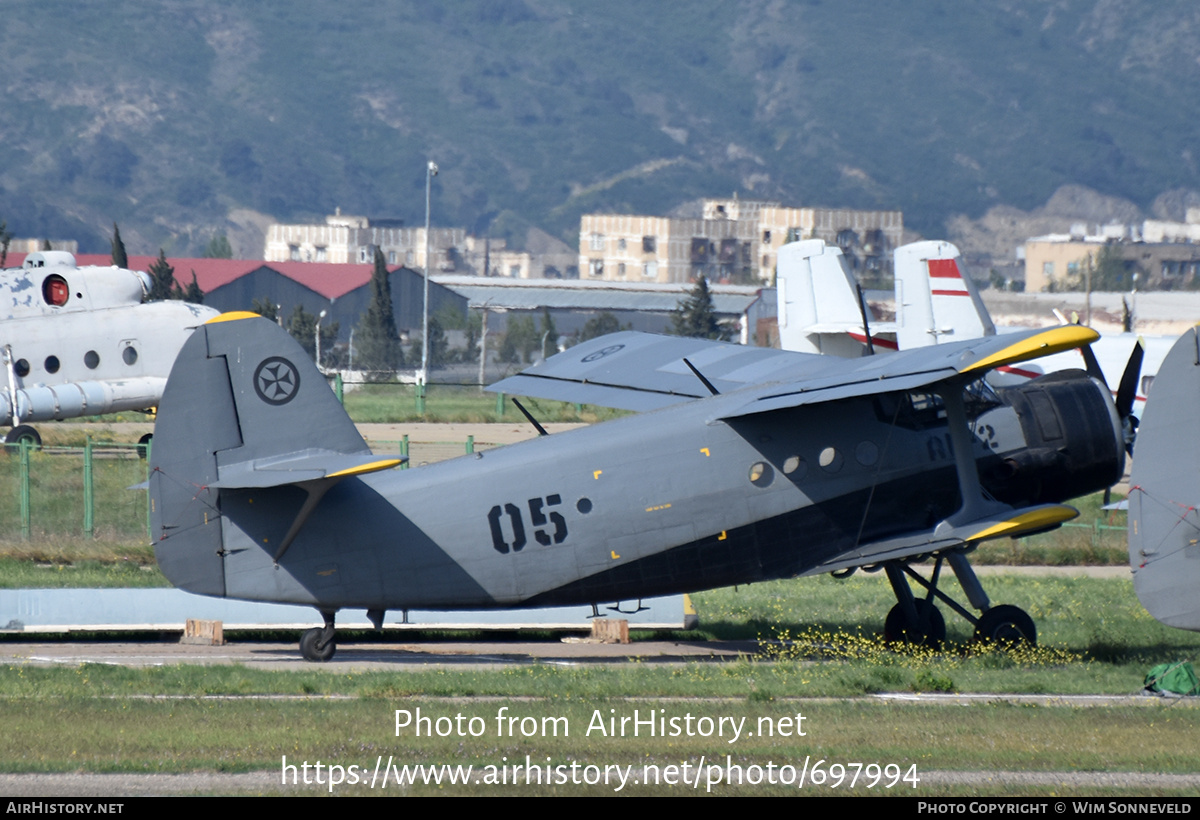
x,y
81,342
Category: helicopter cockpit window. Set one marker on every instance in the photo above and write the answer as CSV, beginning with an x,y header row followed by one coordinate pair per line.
x,y
55,290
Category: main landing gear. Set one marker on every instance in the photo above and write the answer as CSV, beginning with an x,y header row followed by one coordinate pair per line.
x,y
917,621
317,644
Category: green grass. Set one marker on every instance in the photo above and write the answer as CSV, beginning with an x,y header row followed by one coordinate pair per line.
x,y
817,641
394,403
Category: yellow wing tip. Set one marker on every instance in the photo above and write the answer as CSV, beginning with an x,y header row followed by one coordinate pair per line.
x,y
233,316
1030,521
1053,340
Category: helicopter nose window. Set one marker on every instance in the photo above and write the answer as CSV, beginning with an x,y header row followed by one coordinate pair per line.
x,y
55,290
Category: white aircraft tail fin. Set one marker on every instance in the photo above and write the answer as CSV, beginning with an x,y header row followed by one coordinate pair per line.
x,y
935,300
818,302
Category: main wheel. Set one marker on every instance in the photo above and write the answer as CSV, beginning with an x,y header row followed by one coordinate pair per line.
x,y
21,433
143,445
897,630
1006,624
311,648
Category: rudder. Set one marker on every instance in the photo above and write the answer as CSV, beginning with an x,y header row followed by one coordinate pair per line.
x,y
243,403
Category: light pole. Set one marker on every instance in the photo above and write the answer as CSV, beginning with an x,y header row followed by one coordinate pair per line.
x,y
431,170
317,335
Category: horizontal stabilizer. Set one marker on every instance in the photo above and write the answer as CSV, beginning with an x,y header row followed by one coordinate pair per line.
x,y
301,467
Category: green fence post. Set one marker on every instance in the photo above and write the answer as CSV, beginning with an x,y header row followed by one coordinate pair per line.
x,y
149,501
500,405
25,512
89,490
470,444
339,388
404,451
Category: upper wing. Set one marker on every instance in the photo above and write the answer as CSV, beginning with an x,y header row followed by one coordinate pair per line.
x,y
643,371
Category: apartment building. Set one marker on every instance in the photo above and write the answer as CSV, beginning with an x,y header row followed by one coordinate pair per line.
x,y
734,240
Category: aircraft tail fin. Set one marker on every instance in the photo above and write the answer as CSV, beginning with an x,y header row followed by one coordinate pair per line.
x,y
1164,497
243,407
818,302
935,300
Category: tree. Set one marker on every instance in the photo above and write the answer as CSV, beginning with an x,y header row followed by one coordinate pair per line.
x,y
521,338
163,277
1109,272
376,342
696,317
192,292
549,340
119,257
601,325
302,326
219,247
5,241
265,308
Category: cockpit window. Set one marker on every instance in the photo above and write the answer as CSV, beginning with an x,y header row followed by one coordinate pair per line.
x,y
914,411
55,290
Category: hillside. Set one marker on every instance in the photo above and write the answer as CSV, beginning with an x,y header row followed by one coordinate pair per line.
x,y
177,119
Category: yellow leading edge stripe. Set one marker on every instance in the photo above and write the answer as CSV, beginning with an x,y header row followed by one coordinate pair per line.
x,y
1033,520
1054,340
233,316
372,467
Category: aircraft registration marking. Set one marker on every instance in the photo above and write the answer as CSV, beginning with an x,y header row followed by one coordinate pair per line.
x,y
659,507
516,524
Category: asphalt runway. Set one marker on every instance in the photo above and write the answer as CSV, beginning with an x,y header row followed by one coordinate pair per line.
x,y
357,656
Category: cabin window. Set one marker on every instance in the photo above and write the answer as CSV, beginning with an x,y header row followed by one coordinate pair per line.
x,y
796,467
761,474
830,460
21,368
129,355
91,359
867,453
55,290
52,364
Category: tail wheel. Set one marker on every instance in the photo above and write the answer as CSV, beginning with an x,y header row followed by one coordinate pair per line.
x,y
930,629
1006,625
312,649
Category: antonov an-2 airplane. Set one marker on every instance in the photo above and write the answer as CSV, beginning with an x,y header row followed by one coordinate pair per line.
x,y
80,341
746,464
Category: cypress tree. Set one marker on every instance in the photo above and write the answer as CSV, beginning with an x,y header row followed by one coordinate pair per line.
x,y
376,342
119,258
163,276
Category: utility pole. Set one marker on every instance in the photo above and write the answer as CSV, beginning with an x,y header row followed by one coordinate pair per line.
x,y
431,170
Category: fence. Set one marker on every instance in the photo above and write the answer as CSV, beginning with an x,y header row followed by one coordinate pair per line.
x,y
59,491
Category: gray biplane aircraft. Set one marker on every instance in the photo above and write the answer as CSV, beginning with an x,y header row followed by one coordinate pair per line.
x,y
80,341
744,464
1164,492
